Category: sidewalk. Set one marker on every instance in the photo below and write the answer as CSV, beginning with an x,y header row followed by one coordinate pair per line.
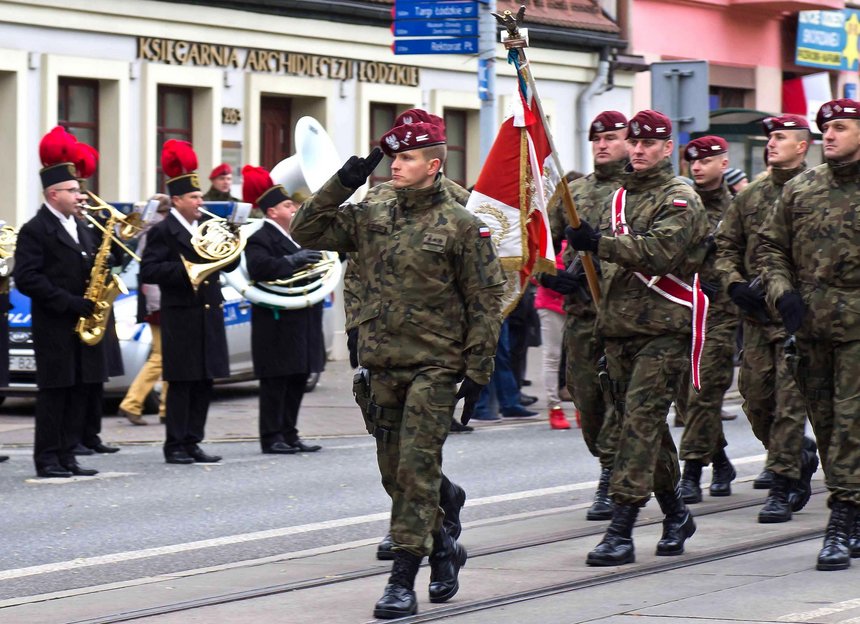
x,y
328,411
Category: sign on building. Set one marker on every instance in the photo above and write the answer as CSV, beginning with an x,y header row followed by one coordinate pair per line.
x,y
828,39
441,27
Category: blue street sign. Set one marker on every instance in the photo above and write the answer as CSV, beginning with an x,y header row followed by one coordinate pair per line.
x,y
483,80
468,45
436,28
435,10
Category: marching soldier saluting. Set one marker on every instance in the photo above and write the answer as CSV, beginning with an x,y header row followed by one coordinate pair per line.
x,y
431,313
591,195
194,343
286,345
810,248
53,260
649,250
772,402
703,440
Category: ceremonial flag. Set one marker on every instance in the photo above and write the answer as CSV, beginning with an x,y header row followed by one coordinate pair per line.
x,y
512,192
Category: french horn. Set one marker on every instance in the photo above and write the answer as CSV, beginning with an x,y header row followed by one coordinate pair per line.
x,y
315,161
218,242
8,241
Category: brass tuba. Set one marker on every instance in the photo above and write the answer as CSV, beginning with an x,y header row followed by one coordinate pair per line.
x,y
8,240
104,286
216,240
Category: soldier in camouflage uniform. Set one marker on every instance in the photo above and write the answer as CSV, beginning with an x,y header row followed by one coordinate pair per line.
x,y
703,440
810,251
451,496
430,316
657,228
772,401
591,195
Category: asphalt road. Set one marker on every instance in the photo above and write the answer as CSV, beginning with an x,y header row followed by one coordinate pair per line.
x,y
141,517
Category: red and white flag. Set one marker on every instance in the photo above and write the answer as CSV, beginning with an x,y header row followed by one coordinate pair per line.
x,y
511,197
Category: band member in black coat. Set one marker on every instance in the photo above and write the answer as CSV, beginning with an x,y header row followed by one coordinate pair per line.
x,y
286,345
194,341
53,260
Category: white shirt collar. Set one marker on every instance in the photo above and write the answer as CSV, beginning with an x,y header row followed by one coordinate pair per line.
x,y
282,230
70,224
191,227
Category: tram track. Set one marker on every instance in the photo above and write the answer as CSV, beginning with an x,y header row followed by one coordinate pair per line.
x,y
601,576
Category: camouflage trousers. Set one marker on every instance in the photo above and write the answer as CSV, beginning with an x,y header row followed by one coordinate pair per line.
x,y
830,383
772,402
645,371
599,425
700,411
410,462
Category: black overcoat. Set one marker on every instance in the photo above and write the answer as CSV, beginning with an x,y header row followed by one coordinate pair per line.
x,y
52,269
194,343
283,342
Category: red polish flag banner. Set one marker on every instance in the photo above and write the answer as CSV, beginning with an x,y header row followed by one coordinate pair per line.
x,y
511,197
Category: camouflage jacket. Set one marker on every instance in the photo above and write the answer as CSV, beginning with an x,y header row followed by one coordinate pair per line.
x,y
668,227
722,308
810,242
432,284
738,236
352,285
591,195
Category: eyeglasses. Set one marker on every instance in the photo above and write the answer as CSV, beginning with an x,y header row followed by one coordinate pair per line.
x,y
75,190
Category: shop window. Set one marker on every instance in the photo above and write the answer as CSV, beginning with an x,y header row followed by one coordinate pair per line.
x,y
455,131
382,118
174,122
78,113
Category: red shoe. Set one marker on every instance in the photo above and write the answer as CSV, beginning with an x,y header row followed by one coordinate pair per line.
x,y
557,419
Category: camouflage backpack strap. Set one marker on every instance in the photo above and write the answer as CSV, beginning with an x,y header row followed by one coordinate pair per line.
x,y
672,288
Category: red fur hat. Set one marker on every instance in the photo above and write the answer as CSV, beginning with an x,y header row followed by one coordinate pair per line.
x,y
259,189
86,159
179,163
56,151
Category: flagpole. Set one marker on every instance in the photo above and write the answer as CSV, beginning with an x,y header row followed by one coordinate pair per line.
x,y
515,41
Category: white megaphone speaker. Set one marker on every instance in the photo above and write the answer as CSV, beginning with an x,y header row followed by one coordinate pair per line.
x,y
315,161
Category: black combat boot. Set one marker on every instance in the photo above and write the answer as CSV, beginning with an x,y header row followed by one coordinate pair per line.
x,y
723,475
835,554
691,491
445,562
801,489
385,549
617,545
854,539
398,600
451,499
776,507
678,525
601,508
764,480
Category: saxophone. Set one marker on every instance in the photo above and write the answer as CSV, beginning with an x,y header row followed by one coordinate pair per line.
x,y
104,286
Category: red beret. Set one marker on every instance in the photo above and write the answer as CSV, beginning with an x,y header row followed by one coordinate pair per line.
x,y
606,122
222,169
843,108
415,115
784,122
649,124
705,146
411,136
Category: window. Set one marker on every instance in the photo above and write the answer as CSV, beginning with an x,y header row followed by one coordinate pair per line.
x,y
174,122
382,118
455,130
78,113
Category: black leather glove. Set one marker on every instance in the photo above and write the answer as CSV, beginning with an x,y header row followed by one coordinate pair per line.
x,y
791,309
82,307
470,392
356,170
709,289
562,282
747,299
583,238
352,345
306,256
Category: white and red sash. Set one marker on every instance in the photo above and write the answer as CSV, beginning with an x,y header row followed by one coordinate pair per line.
x,y
671,287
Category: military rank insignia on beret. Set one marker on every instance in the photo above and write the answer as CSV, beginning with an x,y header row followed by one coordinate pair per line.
x,y
606,122
704,147
843,108
649,124
784,122
411,136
